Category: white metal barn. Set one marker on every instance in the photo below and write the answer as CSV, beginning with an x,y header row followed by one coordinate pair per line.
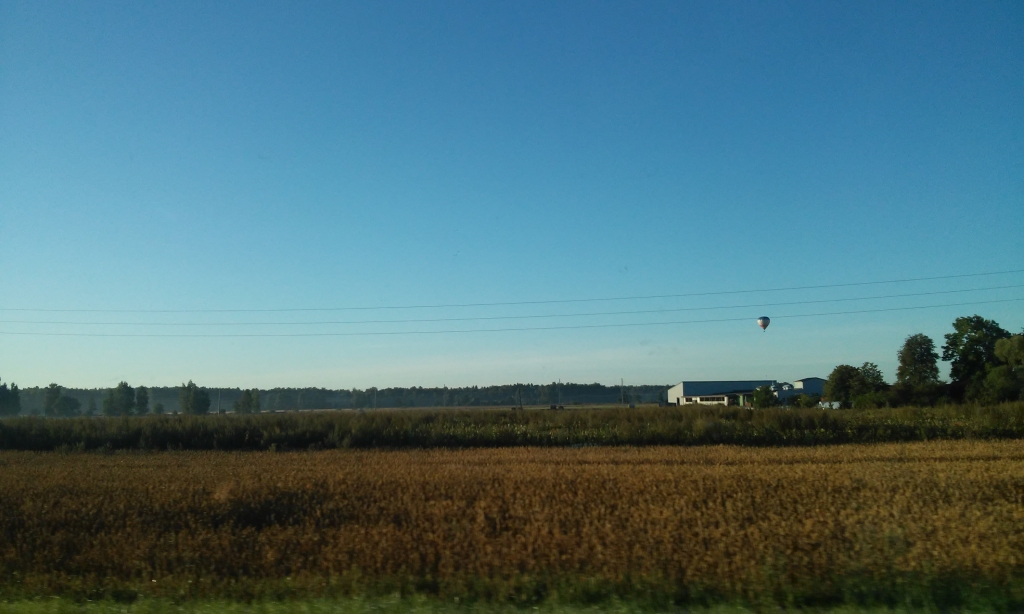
x,y
740,392
810,385
716,393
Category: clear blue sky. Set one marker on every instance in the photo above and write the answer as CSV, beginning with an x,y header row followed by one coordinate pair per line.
x,y
217,155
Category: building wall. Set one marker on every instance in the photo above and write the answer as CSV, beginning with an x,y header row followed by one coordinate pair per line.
x,y
810,385
699,392
677,394
707,400
674,394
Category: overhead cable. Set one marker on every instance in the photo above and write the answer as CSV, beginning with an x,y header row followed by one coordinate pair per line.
x,y
520,317
499,330
515,303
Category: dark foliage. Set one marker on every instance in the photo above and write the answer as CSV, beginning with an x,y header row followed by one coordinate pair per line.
x,y
971,348
67,407
10,400
248,403
1005,382
50,395
120,401
56,404
686,425
861,387
764,397
193,400
141,400
291,399
917,362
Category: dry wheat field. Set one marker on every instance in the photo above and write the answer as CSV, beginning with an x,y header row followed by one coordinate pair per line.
x,y
939,523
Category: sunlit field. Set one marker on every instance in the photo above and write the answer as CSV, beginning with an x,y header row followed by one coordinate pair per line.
x,y
938,523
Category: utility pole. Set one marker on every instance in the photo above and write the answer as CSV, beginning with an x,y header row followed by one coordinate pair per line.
x,y
622,391
558,390
375,397
218,400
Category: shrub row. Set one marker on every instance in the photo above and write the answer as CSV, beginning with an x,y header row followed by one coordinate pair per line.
x,y
692,425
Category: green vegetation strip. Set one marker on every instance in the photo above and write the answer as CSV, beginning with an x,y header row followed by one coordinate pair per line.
x,y
501,428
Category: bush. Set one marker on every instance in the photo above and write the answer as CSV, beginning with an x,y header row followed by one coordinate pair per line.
x,y
1002,383
67,406
804,400
764,397
922,395
871,400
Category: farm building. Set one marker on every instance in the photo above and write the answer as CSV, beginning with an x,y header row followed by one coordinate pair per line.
x,y
716,393
810,386
739,392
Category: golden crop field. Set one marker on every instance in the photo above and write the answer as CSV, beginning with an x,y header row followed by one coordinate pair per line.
x,y
871,523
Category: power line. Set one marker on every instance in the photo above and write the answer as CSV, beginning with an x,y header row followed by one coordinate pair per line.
x,y
521,317
501,330
515,303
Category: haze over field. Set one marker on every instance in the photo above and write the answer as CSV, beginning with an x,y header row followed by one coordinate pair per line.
x,y
163,163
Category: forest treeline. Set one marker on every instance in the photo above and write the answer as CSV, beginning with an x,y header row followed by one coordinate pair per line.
x,y
58,401
986,366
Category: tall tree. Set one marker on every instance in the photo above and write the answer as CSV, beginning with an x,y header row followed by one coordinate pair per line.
x,y
119,401
201,401
871,378
1005,382
847,382
1011,351
244,403
971,348
67,407
141,400
918,361
10,400
193,399
50,395
109,404
843,384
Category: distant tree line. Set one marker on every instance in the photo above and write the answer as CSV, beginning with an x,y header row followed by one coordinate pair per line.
x,y
124,400
986,366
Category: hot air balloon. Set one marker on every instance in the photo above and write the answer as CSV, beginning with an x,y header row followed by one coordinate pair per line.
x,y
763,322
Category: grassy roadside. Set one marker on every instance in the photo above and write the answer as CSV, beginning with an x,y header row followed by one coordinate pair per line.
x,y
395,605
900,592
